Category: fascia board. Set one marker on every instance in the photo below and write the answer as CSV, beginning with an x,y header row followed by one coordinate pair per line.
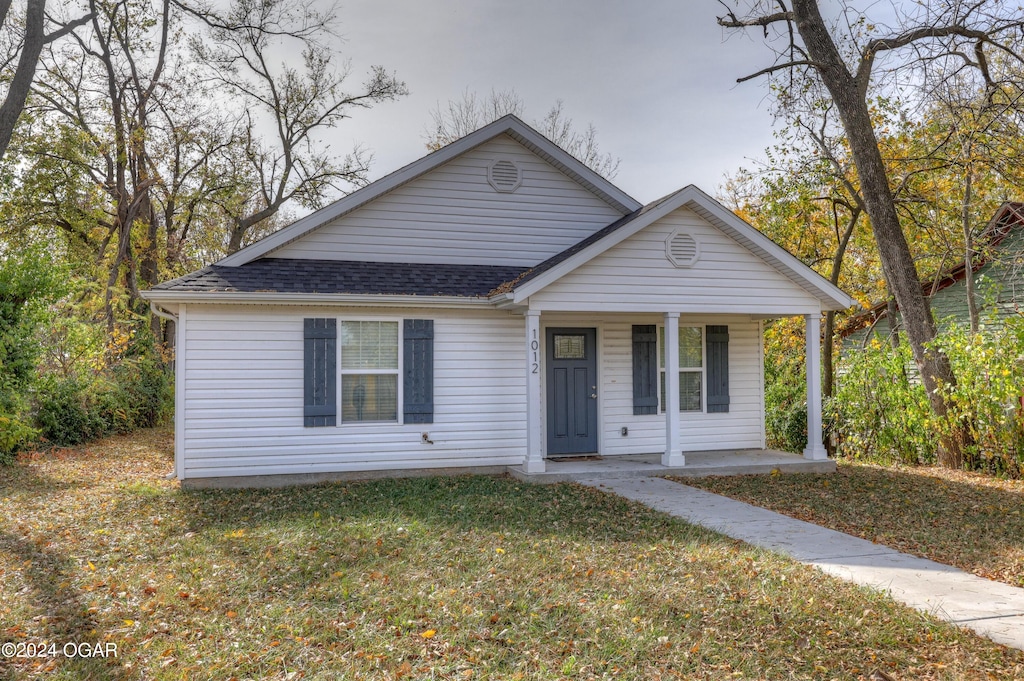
x,y
572,166
270,298
753,240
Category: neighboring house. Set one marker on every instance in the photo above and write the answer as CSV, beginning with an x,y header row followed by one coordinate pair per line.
x,y
998,269
493,304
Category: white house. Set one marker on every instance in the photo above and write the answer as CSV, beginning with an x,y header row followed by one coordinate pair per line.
x,y
494,304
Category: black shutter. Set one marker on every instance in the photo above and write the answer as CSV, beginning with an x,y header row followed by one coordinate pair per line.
x,y
320,366
718,369
645,369
418,363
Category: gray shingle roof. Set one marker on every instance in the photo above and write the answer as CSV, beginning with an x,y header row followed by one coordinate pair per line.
x,y
282,275
287,275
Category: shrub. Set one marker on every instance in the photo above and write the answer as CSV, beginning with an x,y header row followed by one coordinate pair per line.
x,y
67,411
785,390
882,411
987,398
147,389
134,391
15,435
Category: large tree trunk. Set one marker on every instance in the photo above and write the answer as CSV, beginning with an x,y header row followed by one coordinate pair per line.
x,y
893,317
21,83
897,262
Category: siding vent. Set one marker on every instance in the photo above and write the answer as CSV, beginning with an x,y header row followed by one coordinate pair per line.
x,y
681,249
504,175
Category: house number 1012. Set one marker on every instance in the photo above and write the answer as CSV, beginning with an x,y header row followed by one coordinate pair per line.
x,y
534,345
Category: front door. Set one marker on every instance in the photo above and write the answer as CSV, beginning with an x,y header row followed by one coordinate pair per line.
x,y
572,391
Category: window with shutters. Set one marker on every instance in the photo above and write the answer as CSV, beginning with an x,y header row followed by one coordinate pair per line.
x,y
369,371
691,368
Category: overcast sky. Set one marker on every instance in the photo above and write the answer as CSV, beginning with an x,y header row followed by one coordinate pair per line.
x,y
657,79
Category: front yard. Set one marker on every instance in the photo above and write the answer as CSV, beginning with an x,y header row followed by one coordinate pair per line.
x,y
968,520
459,578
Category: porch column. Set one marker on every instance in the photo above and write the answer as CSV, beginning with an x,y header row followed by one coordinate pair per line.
x,y
534,404
673,455
815,448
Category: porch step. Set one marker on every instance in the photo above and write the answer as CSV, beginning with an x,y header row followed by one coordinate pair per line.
x,y
698,464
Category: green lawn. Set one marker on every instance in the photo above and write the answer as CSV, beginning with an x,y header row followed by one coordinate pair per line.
x,y
429,578
972,521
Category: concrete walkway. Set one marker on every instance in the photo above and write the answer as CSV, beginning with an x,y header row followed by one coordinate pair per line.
x,y
992,609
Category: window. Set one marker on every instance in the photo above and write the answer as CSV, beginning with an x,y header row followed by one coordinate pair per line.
x,y
691,367
570,347
369,371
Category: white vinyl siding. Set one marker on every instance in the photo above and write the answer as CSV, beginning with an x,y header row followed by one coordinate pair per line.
x,y
453,215
636,276
243,396
741,428
243,391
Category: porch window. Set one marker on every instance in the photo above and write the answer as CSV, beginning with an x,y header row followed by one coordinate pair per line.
x,y
369,371
691,368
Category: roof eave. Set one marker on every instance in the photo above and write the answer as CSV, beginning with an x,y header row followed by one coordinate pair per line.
x,y
340,299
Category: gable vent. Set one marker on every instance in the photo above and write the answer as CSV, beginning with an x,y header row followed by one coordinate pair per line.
x,y
504,175
681,249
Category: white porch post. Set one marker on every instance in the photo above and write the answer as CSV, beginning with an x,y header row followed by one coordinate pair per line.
x,y
534,404
673,455
815,448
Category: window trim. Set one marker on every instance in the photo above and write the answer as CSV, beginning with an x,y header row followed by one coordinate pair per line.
x,y
399,373
703,370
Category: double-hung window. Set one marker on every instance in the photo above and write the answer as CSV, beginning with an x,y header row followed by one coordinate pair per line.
x,y
691,367
369,371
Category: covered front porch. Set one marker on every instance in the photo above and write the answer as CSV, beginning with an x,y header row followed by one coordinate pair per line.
x,y
698,464
632,414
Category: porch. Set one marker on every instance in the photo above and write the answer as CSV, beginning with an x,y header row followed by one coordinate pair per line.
x,y
601,387
698,464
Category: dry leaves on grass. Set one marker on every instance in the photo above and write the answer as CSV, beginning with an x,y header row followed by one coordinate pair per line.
x,y
446,578
971,521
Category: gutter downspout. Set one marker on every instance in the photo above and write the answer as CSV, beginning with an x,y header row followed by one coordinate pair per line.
x,y
162,314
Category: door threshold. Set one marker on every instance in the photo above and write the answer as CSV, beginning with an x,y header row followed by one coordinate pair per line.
x,y
576,457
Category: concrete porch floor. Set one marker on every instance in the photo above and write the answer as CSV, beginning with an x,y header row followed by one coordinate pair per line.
x,y
698,464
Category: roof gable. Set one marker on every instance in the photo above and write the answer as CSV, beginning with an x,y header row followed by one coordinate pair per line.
x,y
710,210
459,213
508,125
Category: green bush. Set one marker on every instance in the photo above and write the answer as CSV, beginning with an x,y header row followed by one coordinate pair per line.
x,y
989,368
15,435
29,281
68,412
134,391
785,387
880,409
147,389
882,412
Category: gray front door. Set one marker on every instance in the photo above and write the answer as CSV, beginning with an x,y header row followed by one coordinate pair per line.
x,y
572,391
